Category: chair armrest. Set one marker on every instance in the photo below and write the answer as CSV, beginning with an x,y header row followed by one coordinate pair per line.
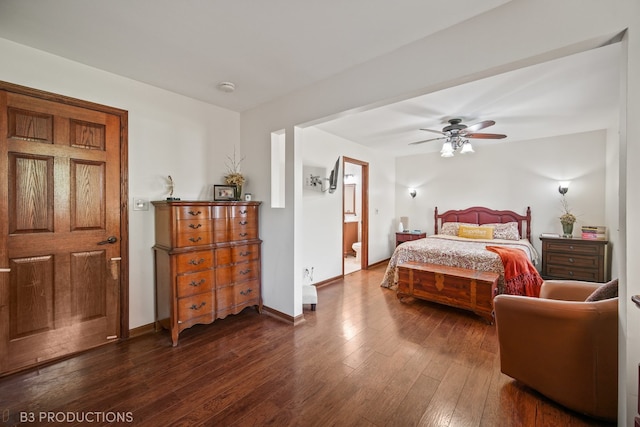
x,y
567,290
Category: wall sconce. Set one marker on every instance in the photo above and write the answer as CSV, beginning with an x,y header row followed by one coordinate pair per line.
x,y
412,193
563,187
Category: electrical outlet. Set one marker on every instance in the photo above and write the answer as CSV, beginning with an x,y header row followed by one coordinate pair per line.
x,y
140,204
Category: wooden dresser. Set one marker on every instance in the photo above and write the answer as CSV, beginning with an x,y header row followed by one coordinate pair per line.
x,y
576,259
207,262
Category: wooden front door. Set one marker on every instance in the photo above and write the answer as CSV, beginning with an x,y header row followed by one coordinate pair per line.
x,y
60,199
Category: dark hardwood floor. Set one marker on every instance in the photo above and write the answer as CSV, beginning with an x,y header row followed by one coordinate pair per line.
x,y
363,358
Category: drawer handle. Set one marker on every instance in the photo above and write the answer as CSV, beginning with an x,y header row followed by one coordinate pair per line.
x,y
243,222
194,262
571,273
571,247
247,292
195,226
244,234
198,307
571,260
247,271
194,239
195,284
245,253
194,213
243,212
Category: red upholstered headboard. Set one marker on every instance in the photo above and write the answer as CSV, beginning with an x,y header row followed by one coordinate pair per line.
x,y
480,215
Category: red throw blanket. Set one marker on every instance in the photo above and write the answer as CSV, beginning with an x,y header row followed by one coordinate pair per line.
x,y
520,276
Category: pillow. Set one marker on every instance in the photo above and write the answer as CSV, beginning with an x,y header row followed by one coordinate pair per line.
x,y
607,291
451,228
475,232
506,231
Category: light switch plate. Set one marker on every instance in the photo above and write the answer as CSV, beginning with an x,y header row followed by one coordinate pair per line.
x,y
140,204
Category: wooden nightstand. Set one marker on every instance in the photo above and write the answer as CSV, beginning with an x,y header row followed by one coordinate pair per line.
x,y
406,236
576,259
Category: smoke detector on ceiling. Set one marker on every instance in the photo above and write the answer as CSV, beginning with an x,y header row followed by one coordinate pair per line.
x,y
226,87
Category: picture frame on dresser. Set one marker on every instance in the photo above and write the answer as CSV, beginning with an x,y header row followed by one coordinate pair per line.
x,y
224,193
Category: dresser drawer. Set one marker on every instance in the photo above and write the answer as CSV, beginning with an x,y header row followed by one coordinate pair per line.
x,y
194,261
243,211
237,254
244,253
193,233
233,295
242,231
193,239
195,283
192,212
195,306
237,273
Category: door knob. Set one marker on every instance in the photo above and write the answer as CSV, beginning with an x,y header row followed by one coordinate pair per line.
x,y
110,240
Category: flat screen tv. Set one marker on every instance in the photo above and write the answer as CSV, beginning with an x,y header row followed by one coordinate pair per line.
x,y
333,178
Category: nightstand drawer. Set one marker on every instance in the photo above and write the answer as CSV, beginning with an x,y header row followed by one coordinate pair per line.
x,y
564,272
571,260
570,247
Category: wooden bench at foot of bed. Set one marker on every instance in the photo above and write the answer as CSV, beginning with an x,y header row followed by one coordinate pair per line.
x,y
457,287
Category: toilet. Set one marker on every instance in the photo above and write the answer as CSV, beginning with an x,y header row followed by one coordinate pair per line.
x,y
356,248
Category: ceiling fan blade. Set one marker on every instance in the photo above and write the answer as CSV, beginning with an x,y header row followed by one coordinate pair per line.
x,y
426,140
434,131
481,125
485,135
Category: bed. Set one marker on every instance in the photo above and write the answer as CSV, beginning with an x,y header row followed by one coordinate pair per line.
x,y
446,247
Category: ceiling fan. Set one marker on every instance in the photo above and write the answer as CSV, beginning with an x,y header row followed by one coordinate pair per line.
x,y
457,135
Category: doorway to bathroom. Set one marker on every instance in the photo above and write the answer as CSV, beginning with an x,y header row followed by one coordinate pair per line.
x,y
355,208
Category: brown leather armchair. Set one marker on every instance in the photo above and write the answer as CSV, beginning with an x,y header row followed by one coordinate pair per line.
x,y
561,346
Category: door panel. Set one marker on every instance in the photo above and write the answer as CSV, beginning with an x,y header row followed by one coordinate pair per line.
x,y
62,187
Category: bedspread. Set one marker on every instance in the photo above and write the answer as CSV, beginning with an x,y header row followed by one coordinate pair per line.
x,y
456,252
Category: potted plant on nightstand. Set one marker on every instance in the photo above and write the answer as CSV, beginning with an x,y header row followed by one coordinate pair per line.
x,y
567,219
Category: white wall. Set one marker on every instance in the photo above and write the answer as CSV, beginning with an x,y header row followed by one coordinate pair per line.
x,y
169,134
322,216
509,176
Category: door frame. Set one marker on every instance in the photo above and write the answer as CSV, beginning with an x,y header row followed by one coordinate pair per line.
x,y
364,248
124,183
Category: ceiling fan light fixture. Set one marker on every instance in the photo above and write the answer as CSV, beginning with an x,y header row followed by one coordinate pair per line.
x,y
457,136
447,149
466,148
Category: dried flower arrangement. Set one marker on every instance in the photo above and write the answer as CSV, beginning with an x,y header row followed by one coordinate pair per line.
x,y
567,217
234,176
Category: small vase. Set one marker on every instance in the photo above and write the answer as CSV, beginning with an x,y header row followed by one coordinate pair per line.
x,y
238,192
567,229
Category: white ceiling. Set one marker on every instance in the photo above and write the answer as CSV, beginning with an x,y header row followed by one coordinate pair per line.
x,y
578,93
267,48
271,48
